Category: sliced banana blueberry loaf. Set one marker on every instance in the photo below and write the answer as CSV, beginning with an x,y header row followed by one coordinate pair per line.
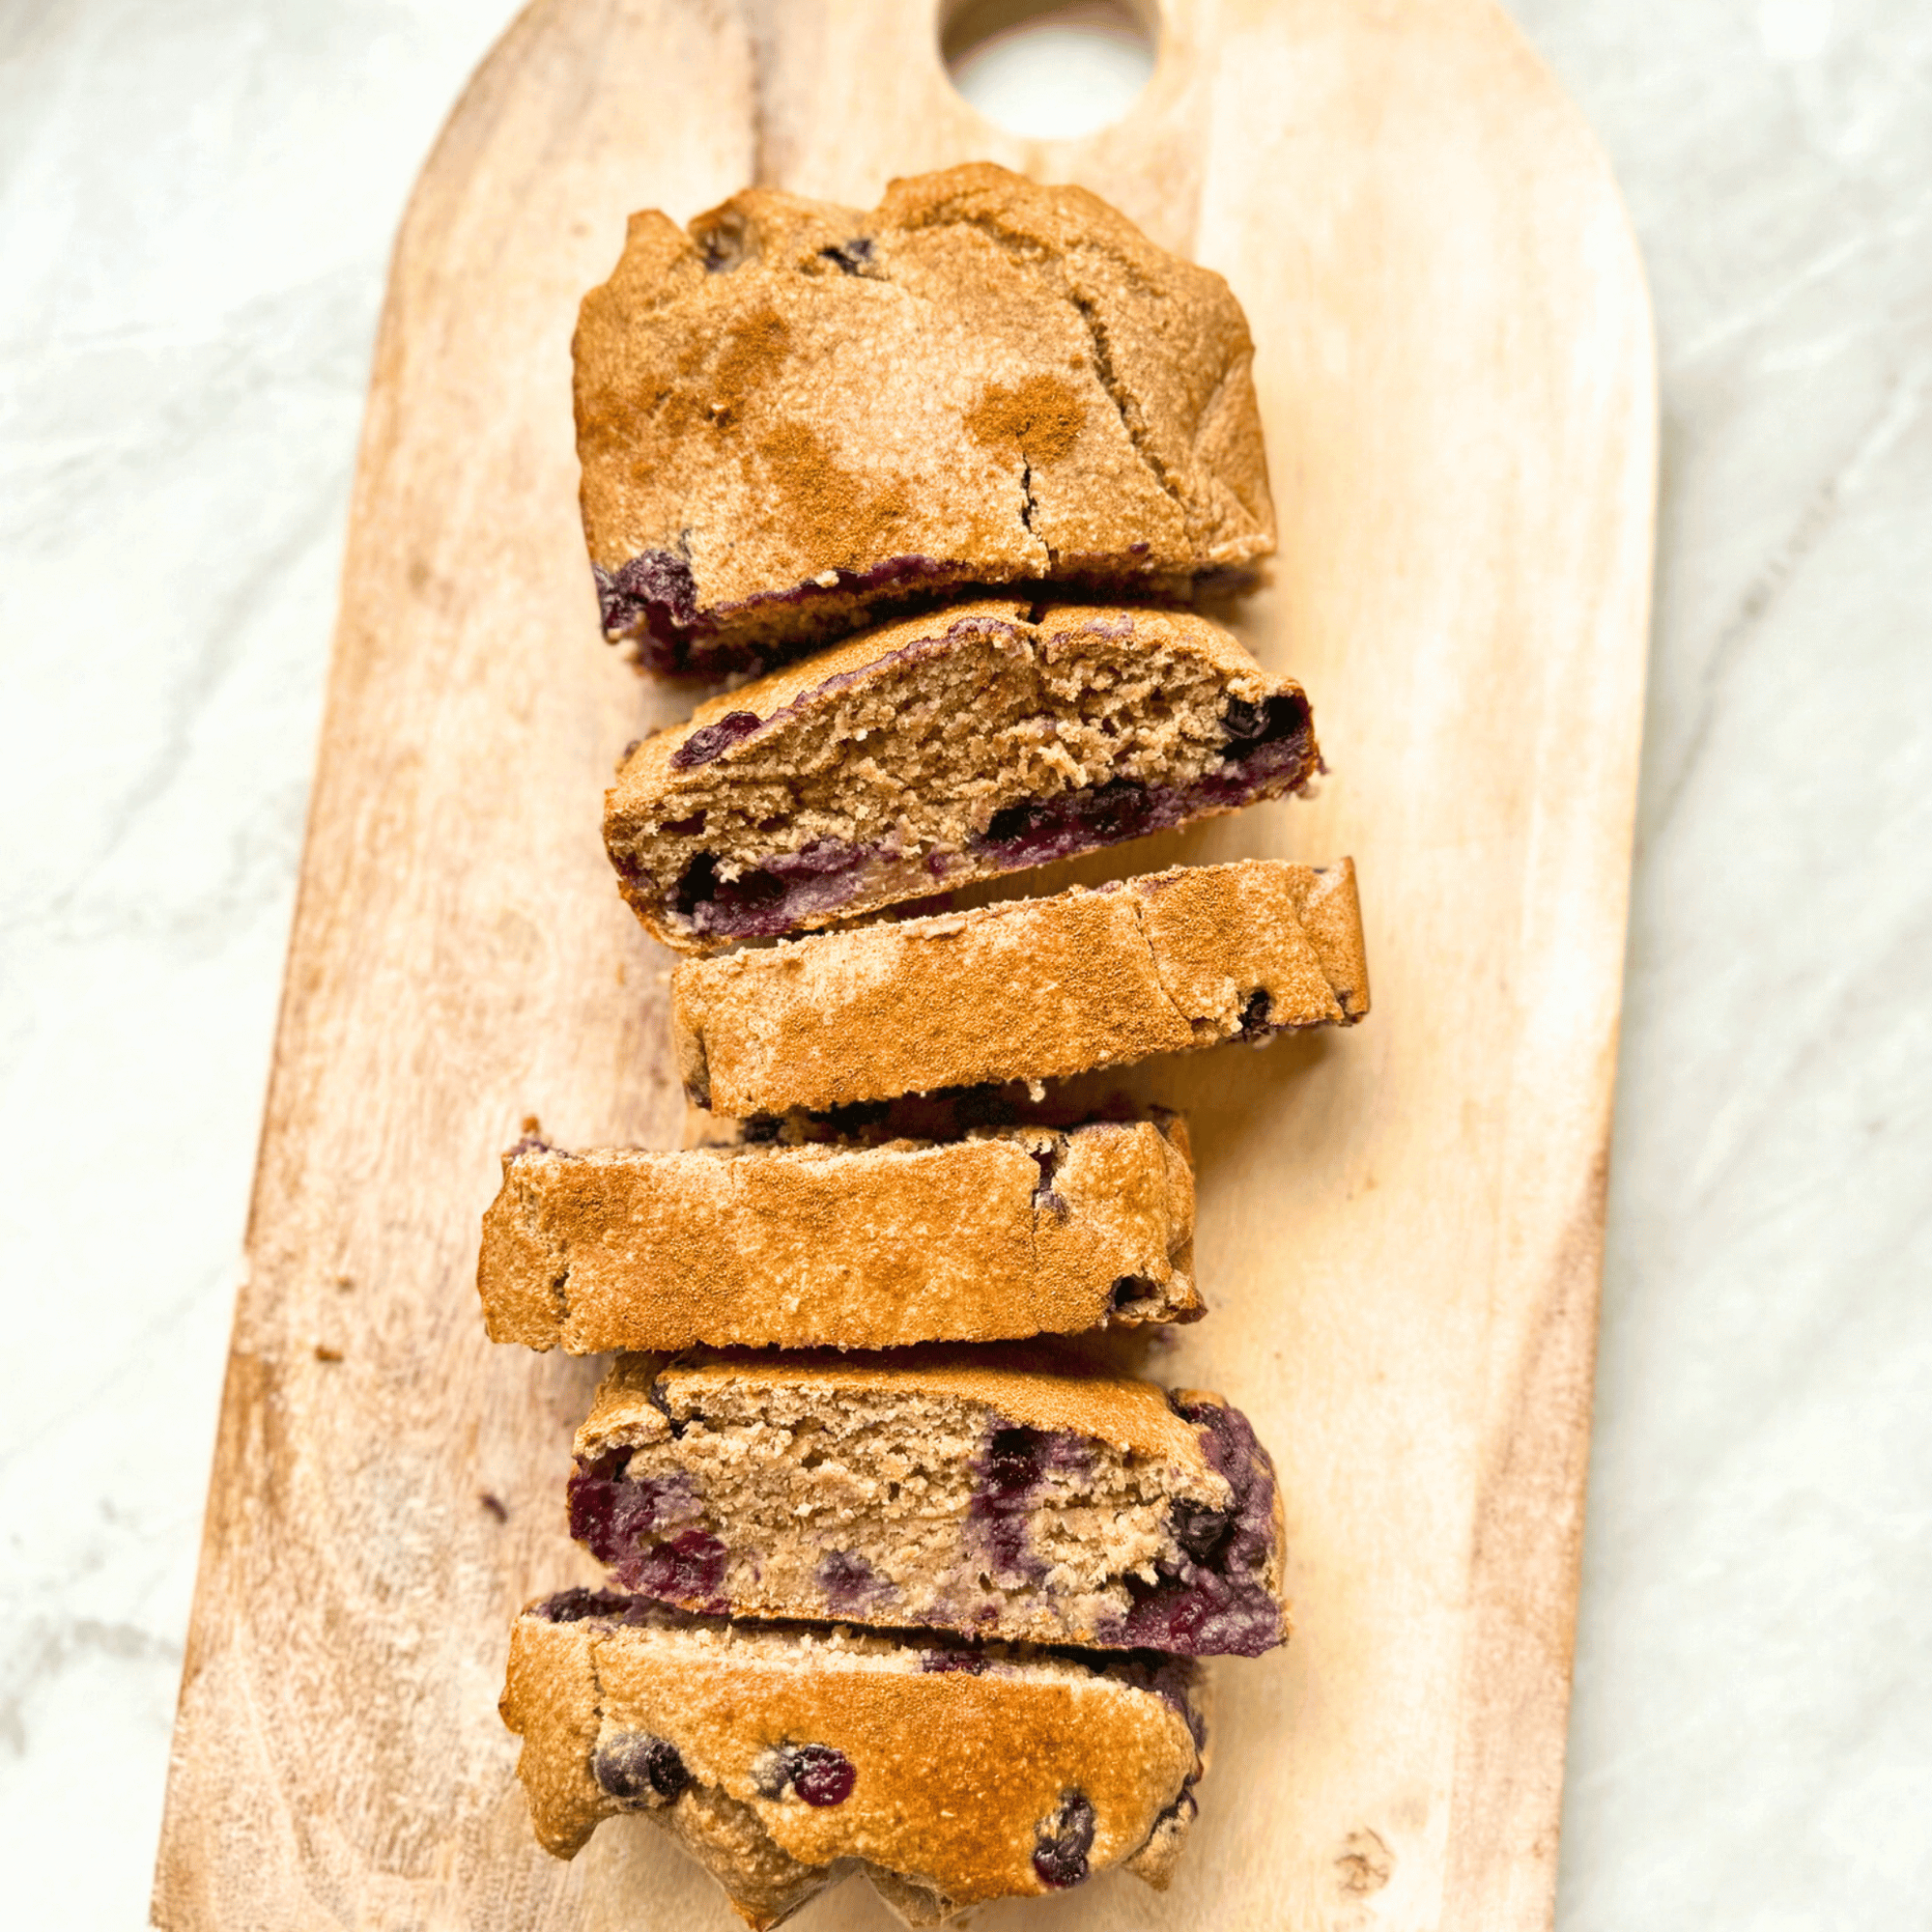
x,y
786,1758
794,412
936,750
978,1492
1007,1232
1030,989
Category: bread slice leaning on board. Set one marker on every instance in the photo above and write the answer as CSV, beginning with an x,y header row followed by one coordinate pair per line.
x,y
926,754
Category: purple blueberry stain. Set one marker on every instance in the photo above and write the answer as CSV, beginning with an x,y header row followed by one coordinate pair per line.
x,y
1063,1843
655,590
1034,829
1199,1529
1212,1599
610,1511
696,886
712,741
852,1586
821,1775
654,599
624,1524
1279,720
940,1663
1031,832
580,1605
1255,1013
638,1767
1009,1471
688,1569
765,901
1012,1468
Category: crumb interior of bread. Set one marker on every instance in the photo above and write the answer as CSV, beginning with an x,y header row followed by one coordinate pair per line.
x,y
882,1507
934,770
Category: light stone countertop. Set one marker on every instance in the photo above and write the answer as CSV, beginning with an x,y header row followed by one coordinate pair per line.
x,y
196,207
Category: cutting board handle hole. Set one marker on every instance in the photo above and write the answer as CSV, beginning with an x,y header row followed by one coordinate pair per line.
x,y
1052,70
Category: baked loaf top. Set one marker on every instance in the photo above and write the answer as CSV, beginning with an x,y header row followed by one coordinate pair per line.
x,y
795,411
774,1753
1008,1233
1028,989
941,750
1018,1494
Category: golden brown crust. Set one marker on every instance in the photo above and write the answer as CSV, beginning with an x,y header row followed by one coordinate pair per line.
x,y
550,1700
945,748
798,410
652,771
1037,1388
1028,989
1016,1233
956,1773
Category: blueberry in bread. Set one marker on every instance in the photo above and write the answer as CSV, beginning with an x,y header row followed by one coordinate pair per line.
x,y
795,414
785,1759
1031,989
1004,1232
983,1492
939,750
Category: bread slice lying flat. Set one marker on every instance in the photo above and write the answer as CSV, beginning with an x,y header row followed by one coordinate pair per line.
x,y
1028,989
941,749
975,1491
1008,1233
784,1758
794,412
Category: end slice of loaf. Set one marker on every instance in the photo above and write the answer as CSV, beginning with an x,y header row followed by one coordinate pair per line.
x,y
784,1759
792,414
1026,990
1014,1494
1014,1232
939,750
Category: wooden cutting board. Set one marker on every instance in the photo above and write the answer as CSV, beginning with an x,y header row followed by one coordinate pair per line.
x,y
1400,1226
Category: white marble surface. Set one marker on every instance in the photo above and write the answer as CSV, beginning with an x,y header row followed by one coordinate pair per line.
x,y
196,201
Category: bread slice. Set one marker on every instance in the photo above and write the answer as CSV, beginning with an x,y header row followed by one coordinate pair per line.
x,y
797,413
1030,989
1008,1233
784,1758
1017,1496
941,749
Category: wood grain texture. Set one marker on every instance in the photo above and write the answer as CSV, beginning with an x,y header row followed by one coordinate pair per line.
x,y
1399,1229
